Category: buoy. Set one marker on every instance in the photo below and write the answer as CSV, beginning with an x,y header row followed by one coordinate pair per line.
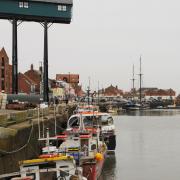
x,y
99,157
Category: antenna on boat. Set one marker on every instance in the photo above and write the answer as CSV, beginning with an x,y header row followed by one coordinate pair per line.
x,y
98,92
47,137
89,78
81,125
43,122
39,128
55,120
88,94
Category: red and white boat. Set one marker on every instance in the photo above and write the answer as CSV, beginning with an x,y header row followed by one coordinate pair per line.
x,y
93,119
87,148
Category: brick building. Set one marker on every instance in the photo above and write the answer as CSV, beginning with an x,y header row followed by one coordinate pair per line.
x,y
25,84
73,79
79,92
160,94
111,91
35,76
5,72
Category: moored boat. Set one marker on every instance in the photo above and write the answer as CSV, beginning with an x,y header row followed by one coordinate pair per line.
x,y
103,120
85,145
47,167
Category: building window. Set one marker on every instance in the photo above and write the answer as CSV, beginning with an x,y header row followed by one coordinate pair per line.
x,y
32,88
23,4
3,62
62,8
2,85
2,73
26,5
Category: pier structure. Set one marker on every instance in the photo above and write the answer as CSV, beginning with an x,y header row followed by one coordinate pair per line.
x,y
59,11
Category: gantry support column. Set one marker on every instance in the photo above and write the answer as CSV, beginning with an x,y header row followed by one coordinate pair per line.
x,y
45,65
14,58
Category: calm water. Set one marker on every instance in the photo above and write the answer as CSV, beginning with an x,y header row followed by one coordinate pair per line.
x,y
148,147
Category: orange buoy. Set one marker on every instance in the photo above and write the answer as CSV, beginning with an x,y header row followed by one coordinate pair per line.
x,y
99,157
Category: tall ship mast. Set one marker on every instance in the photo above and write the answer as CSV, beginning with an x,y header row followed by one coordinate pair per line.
x,y
133,81
140,83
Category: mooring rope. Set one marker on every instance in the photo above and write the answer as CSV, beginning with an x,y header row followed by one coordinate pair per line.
x,y
19,149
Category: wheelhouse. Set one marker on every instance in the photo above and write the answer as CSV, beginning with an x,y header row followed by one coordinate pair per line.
x,y
90,119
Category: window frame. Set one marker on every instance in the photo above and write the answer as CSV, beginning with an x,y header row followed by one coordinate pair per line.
x,y
26,5
21,4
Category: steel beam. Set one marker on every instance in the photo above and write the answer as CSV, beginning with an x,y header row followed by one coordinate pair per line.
x,y
14,58
45,65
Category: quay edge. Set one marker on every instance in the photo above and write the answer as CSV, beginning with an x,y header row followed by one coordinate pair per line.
x,y
16,136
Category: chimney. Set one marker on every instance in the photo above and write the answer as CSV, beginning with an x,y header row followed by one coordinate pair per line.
x,y
32,67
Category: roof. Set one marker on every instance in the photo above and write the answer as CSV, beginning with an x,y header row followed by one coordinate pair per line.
x,y
28,79
56,1
3,52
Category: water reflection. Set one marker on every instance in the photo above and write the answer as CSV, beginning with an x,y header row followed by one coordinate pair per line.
x,y
147,148
155,112
109,169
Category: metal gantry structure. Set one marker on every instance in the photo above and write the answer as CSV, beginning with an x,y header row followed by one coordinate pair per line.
x,y
43,11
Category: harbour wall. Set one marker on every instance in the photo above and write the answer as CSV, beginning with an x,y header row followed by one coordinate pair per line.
x,y
20,140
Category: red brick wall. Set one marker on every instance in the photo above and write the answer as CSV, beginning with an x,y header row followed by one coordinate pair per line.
x,y
23,85
10,78
73,79
35,76
4,72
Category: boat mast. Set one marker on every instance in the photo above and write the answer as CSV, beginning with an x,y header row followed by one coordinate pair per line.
x,y
98,93
88,91
133,80
140,83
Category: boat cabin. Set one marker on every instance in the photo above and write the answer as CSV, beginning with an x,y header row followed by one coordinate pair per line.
x,y
90,120
48,168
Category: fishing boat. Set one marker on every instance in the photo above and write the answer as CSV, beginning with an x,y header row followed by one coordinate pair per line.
x,y
87,148
51,164
47,166
104,121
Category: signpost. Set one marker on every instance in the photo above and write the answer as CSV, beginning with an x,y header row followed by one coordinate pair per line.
x,y
43,11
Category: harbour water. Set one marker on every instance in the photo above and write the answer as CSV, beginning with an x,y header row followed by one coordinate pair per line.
x,y
148,147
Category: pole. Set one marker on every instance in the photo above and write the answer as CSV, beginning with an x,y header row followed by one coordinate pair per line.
x,y
45,74
98,93
55,120
133,79
69,85
14,58
88,94
140,89
39,128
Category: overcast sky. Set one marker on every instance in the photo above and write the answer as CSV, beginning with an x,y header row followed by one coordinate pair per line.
x,y
104,40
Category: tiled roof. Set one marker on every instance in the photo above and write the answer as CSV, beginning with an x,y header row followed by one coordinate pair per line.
x,y
28,79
